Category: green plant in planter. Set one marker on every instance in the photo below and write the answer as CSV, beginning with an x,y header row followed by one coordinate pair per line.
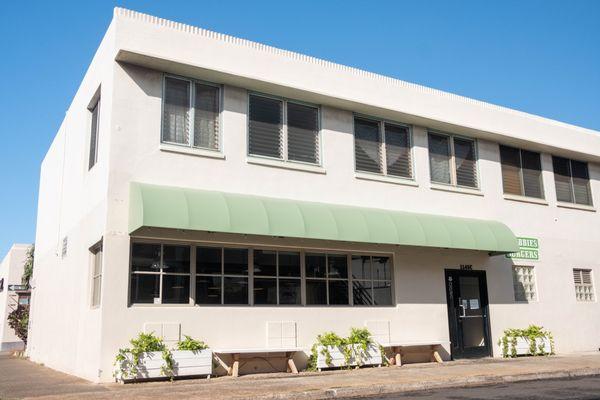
x,y
355,344
532,333
128,359
188,343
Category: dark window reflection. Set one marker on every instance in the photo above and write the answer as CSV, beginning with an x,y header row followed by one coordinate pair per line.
x,y
176,259
338,266
236,261
289,291
176,289
235,290
289,264
208,260
265,263
145,257
361,267
316,265
361,293
208,290
316,292
338,292
144,288
265,291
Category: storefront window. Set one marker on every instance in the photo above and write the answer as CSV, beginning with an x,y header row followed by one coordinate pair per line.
x,y
161,274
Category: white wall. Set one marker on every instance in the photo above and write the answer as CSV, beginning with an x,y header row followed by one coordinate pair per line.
x,y
64,330
11,270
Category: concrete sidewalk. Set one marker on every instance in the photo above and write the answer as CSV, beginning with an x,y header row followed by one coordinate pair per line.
x,y
40,383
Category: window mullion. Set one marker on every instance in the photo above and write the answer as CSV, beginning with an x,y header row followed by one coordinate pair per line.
x,y
382,147
191,123
453,180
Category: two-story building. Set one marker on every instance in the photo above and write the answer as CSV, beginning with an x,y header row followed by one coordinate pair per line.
x,y
206,185
13,293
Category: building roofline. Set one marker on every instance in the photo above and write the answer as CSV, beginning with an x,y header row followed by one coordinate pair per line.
x,y
119,11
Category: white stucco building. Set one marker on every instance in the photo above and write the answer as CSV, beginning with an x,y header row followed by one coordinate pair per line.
x,y
206,185
12,293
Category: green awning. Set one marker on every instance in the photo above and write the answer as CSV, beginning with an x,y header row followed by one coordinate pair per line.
x,y
178,208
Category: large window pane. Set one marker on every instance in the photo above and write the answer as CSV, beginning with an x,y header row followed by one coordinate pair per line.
x,y
265,262
510,160
206,116
289,264
562,179
176,289
466,167
289,291
303,133
367,145
235,290
397,150
265,127
176,107
338,266
362,294
176,259
381,268
532,174
439,158
316,265
236,261
145,257
581,183
316,292
145,288
208,260
361,267
338,292
382,293
208,290
265,291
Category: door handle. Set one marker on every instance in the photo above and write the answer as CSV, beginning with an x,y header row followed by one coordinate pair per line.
x,y
463,312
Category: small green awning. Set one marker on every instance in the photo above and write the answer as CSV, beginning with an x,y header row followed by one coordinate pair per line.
x,y
179,208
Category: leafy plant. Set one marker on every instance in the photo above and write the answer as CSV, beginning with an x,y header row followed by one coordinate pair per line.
x,y
18,320
128,359
28,266
355,345
531,334
188,343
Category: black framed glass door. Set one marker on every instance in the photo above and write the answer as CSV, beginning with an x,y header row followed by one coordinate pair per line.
x,y
468,313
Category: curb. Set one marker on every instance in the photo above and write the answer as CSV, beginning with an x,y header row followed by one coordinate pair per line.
x,y
387,389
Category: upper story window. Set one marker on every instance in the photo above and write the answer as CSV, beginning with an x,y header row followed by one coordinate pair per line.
x,y
452,160
572,181
283,129
521,172
382,148
95,122
190,113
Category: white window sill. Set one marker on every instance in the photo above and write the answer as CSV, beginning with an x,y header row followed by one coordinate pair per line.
x,y
385,178
575,206
151,305
269,162
456,189
192,151
525,199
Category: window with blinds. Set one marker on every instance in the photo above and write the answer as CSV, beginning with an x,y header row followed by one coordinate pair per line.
x,y
584,288
521,172
382,147
190,113
452,160
572,181
283,129
94,124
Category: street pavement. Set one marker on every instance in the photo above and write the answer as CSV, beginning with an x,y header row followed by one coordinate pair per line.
x,y
504,379
587,388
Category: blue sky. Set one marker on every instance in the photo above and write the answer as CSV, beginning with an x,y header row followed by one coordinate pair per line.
x,y
541,57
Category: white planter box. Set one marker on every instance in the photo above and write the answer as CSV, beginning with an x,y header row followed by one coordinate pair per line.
x,y
185,363
522,346
372,356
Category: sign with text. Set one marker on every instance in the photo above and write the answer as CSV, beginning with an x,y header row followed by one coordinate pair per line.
x,y
529,249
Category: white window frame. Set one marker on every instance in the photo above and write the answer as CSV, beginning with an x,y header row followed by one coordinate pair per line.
x,y
192,115
284,130
382,147
94,250
589,285
453,179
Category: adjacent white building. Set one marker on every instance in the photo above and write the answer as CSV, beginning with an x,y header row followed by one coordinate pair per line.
x,y
12,294
206,185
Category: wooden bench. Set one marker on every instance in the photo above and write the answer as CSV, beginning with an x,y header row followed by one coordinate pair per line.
x,y
234,368
433,346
